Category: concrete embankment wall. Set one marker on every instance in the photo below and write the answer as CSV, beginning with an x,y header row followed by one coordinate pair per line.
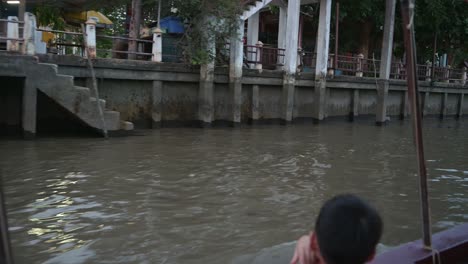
x,y
128,87
145,91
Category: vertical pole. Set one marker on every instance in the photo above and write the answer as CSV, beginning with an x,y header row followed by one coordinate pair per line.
x,y
134,28
21,9
337,34
253,24
157,45
434,52
259,54
407,10
29,33
91,38
5,248
13,34
159,13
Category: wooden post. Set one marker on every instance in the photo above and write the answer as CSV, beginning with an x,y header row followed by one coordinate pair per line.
x,y
91,38
428,72
337,34
134,28
13,35
29,33
21,9
157,45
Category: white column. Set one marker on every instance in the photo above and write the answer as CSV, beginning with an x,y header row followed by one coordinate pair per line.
x,y
253,24
157,45
323,39
283,17
387,43
29,33
292,35
235,73
91,38
12,33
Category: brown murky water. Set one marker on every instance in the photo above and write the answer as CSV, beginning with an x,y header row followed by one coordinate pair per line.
x,y
209,196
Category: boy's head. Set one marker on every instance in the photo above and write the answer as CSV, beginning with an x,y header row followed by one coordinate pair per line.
x,y
347,231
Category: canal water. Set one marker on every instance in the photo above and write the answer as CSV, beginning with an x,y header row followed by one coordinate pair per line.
x,y
211,196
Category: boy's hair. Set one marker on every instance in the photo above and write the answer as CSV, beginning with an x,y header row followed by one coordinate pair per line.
x,y
348,230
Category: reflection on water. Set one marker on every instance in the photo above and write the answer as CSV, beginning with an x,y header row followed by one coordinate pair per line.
x,y
210,196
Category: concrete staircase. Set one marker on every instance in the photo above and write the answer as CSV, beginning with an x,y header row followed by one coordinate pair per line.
x,y
253,6
75,99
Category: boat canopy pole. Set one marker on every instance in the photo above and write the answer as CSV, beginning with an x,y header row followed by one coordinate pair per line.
x,y
408,13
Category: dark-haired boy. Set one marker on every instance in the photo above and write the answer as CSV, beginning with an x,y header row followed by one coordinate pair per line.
x,y
347,231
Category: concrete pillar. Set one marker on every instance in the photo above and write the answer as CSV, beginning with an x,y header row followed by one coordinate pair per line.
x,y
134,28
29,33
460,105
156,104
382,98
354,105
255,103
235,74
387,42
157,45
323,41
253,24
404,108
290,59
29,109
206,89
444,106
359,68
12,33
91,38
283,16
425,104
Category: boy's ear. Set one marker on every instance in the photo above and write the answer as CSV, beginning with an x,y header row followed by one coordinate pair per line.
x,y
372,256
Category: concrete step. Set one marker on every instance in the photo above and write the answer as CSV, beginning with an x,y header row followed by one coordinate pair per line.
x,y
102,101
112,120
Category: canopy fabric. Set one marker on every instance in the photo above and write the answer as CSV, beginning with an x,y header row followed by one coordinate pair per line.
x,y
81,17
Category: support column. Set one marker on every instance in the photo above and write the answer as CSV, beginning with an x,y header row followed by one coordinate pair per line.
x,y
29,33
255,104
156,104
21,9
253,24
323,43
290,66
29,109
235,74
12,33
425,104
386,62
404,108
157,44
444,106
206,89
283,16
460,105
382,98
355,105
134,28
